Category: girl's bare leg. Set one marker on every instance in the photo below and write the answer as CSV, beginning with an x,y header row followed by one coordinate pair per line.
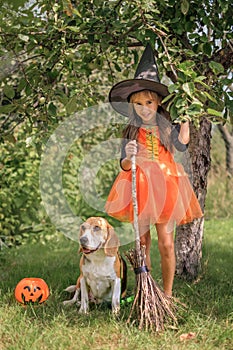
x,y
168,259
145,239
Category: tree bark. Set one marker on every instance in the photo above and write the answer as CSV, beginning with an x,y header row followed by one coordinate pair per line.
x,y
188,241
228,140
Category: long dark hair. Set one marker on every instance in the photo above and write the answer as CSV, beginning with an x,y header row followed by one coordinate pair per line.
x,y
163,120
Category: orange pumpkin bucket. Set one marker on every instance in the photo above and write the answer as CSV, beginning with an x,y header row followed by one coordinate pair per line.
x,y
31,290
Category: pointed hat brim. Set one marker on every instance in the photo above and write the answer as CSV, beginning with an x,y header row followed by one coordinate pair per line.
x,y
119,94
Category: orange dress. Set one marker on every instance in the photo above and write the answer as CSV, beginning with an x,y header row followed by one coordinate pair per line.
x,y
164,192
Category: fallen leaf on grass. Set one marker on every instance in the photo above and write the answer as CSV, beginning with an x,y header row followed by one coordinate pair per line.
x,y
187,336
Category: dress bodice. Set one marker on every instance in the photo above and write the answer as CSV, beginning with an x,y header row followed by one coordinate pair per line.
x,y
152,150
150,146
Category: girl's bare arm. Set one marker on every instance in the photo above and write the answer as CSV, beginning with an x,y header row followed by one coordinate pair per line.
x,y
184,134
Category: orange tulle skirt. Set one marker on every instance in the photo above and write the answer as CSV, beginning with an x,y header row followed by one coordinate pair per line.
x,y
164,194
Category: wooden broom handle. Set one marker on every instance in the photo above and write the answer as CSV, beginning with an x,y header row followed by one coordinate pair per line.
x,y
135,203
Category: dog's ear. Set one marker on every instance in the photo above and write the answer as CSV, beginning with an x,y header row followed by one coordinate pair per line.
x,y
112,243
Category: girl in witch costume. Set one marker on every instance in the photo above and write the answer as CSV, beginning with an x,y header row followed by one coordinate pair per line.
x,y
164,193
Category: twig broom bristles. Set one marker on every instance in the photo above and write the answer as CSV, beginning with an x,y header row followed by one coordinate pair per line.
x,y
151,307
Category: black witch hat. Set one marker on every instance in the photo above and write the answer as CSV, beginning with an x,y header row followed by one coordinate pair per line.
x,y
145,78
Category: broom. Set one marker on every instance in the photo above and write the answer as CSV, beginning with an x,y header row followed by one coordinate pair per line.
x,y
151,308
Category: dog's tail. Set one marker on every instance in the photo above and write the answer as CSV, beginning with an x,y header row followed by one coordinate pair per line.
x,y
70,289
75,298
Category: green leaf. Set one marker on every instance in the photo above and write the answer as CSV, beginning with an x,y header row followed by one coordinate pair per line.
x,y
9,91
7,108
73,29
10,138
216,67
194,36
52,109
167,98
201,96
214,112
184,7
180,103
61,96
71,106
17,3
210,97
91,38
199,81
28,90
207,49
22,84
173,112
229,104
173,87
200,78
189,88
24,38
187,68
76,12
204,38
194,108
187,65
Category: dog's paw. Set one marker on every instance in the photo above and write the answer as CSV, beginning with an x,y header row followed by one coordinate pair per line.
x,y
83,311
116,315
116,311
68,302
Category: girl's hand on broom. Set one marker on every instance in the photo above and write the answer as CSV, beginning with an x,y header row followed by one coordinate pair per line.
x,y
131,149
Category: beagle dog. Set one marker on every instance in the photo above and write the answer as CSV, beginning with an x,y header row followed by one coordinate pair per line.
x,y
102,269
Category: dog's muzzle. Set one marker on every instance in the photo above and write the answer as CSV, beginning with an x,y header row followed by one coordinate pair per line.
x,y
84,246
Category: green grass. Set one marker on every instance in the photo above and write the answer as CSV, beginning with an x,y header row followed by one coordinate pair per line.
x,y
209,301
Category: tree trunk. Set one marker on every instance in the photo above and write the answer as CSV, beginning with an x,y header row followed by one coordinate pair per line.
x,y
228,140
189,237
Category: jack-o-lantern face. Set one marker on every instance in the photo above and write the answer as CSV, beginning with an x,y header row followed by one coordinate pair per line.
x,y
31,290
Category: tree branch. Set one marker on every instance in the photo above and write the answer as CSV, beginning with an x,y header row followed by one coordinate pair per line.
x,y
225,133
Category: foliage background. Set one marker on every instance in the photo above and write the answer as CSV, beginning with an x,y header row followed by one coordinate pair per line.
x,y
59,57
